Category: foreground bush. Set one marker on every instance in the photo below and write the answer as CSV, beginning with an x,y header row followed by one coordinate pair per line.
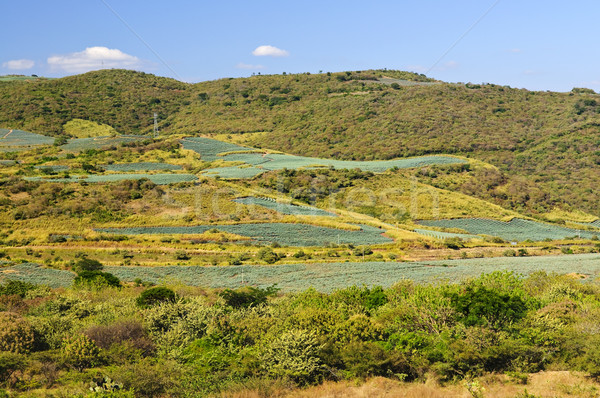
x,y
156,295
16,334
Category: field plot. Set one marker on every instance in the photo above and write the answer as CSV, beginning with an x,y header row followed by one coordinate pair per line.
x,y
235,172
83,144
323,277
141,166
284,208
34,273
18,140
516,229
211,150
282,233
7,162
159,179
444,235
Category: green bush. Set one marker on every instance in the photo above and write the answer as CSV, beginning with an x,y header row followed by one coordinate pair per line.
x,y
247,296
16,334
267,255
481,306
294,355
156,295
10,362
80,352
86,264
18,288
96,280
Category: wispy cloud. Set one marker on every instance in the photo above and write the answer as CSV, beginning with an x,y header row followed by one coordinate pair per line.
x,y
269,51
242,65
18,64
515,50
93,58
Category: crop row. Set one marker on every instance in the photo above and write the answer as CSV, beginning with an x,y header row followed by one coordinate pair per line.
x,y
516,229
283,233
284,208
323,277
159,179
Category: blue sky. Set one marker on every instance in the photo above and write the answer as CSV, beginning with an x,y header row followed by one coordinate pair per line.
x,y
538,45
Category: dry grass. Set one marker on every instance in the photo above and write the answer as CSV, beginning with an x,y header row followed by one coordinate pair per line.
x,y
543,385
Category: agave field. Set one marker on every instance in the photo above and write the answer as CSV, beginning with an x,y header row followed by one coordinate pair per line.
x,y
211,150
234,172
324,277
444,235
159,178
516,229
141,166
284,208
83,144
208,148
283,233
15,139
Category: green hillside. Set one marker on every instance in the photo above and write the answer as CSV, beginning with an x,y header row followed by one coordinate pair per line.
x,y
544,145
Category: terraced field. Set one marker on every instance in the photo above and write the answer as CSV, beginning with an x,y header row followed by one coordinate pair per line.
x,y
323,277
83,144
516,229
19,140
159,178
211,150
283,233
284,208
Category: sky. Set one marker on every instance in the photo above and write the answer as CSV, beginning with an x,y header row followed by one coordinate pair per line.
x,y
537,45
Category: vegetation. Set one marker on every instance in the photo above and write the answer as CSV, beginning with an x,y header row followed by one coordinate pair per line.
x,y
211,342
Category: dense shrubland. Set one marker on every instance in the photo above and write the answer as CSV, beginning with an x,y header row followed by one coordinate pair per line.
x,y
183,340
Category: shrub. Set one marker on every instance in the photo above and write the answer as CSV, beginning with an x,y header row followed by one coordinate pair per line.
x,y
480,306
96,280
294,355
267,255
16,334
18,288
156,295
86,264
248,296
80,352
130,332
10,362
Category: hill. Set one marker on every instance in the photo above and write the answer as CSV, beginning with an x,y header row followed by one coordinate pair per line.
x,y
543,145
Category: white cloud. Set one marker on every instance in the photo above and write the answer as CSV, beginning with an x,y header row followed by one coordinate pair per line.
x,y
269,51
18,64
93,58
242,65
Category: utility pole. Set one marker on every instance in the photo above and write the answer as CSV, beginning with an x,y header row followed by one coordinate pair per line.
x,y
155,125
